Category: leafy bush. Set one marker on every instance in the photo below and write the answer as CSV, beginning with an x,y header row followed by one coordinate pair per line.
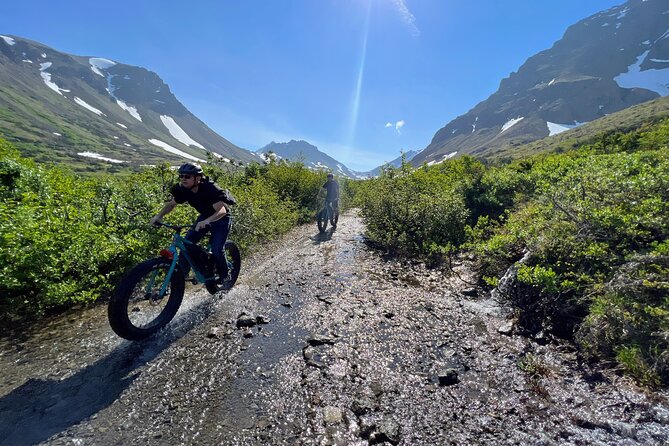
x,y
417,212
588,227
65,238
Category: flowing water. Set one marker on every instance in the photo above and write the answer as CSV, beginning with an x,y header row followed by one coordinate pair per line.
x,y
349,349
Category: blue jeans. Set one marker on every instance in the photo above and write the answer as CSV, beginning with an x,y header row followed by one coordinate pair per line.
x,y
219,234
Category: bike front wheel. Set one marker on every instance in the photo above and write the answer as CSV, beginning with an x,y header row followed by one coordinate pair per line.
x,y
137,309
234,259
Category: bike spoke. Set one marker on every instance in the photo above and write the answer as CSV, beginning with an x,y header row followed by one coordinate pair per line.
x,y
146,303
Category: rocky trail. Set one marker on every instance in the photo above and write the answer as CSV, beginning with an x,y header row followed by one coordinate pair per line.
x,y
321,342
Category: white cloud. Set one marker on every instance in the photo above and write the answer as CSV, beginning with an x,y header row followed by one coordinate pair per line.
x,y
398,125
406,16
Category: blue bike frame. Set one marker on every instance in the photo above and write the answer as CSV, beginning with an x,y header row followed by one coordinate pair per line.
x,y
175,250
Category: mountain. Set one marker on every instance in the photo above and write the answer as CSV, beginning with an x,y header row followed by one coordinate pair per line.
x,y
86,110
397,162
612,60
626,120
309,155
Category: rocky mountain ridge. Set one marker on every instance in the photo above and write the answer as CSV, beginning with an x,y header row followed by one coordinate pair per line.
x,y
612,60
309,155
313,158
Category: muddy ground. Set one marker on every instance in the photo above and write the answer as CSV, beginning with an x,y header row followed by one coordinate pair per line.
x,y
322,342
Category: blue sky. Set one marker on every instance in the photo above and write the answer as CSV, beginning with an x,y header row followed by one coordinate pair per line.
x,y
332,72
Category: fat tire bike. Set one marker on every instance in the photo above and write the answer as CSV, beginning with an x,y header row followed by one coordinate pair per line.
x,y
149,295
325,215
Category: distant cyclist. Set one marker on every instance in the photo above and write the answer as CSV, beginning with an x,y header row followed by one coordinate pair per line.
x,y
332,195
207,198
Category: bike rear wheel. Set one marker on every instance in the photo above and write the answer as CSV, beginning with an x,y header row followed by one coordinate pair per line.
x,y
234,259
136,310
322,220
334,219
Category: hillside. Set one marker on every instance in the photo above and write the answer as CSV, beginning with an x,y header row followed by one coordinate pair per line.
x,y
91,111
622,121
605,63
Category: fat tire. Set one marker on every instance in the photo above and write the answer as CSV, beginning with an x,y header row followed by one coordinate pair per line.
x,y
118,305
235,257
334,219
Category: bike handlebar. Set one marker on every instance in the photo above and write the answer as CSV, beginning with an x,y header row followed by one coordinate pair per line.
x,y
177,228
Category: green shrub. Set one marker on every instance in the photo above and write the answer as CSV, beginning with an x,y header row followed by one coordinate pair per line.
x,y
65,238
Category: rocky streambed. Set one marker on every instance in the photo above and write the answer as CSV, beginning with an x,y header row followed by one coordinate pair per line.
x,y
322,342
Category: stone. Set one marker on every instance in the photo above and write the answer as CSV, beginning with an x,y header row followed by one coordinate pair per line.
x,y
506,328
388,430
261,319
448,377
332,415
244,320
320,340
362,405
214,333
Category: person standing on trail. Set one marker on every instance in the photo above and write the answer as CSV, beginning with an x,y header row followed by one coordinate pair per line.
x,y
209,200
332,195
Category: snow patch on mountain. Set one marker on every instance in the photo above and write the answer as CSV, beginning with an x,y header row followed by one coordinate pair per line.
x,y
47,78
121,125
132,110
99,63
99,157
8,40
178,133
174,150
443,158
554,129
654,80
87,106
510,123
111,88
221,157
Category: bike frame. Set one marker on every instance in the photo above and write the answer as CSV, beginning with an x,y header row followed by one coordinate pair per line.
x,y
175,250
328,210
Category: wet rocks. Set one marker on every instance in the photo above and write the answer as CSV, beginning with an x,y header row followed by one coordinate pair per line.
x,y
262,319
385,430
448,377
470,292
311,357
506,328
217,333
362,405
332,415
244,320
320,339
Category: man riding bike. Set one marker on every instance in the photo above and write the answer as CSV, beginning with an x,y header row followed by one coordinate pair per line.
x,y
332,195
208,199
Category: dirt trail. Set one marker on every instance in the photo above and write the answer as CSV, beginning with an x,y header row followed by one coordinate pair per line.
x,y
344,348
